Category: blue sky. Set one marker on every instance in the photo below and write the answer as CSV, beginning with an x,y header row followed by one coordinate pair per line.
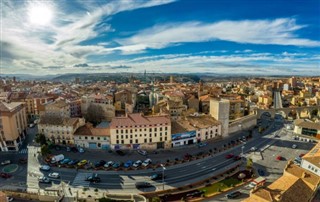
x,y
264,37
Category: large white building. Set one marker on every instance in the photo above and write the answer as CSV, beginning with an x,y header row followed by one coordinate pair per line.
x,y
138,131
311,160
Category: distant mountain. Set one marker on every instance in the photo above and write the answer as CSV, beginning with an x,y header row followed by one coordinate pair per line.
x,y
29,76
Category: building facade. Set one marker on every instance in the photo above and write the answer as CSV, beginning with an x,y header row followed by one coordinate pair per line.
x,y
13,124
138,131
219,109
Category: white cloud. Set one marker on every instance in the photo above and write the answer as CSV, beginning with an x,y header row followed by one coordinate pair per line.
x,y
278,32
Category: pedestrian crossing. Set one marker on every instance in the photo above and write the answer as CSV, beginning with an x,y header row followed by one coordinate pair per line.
x,y
79,180
23,151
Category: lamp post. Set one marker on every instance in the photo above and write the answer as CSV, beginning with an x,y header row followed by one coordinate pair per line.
x,y
163,168
242,150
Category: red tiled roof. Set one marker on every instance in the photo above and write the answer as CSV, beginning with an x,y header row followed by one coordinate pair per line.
x,y
138,119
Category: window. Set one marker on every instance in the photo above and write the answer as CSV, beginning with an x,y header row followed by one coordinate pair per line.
x,y
121,131
150,129
166,128
98,138
117,141
165,138
161,129
122,141
155,129
150,135
160,138
117,131
126,130
130,141
86,138
145,140
136,140
79,138
126,136
91,138
145,129
150,139
104,138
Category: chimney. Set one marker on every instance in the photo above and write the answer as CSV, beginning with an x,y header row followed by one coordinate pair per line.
x,y
305,175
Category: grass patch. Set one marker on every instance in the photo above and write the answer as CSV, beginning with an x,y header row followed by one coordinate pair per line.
x,y
220,186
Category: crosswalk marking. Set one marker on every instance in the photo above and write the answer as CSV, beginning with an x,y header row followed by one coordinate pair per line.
x,y
79,180
23,151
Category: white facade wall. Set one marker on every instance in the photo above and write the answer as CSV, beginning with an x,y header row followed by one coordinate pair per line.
x,y
310,167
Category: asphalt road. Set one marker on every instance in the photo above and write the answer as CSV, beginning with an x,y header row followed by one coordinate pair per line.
x,y
277,101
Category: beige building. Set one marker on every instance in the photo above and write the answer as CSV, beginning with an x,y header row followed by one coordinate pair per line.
x,y
59,108
138,131
311,161
219,109
59,130
94,138
105,101
13,124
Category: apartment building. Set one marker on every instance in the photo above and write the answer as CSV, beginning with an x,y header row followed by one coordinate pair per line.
x,y
104,101
13,124
88,136
59,130
59,107
311,160
138,131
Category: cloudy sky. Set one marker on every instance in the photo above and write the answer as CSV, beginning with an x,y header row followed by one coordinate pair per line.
x,y
218,36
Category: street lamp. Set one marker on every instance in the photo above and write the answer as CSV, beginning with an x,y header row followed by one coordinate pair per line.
x,y
163,168
242,151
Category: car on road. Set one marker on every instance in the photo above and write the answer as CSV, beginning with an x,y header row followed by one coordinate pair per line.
x,y
294,146
137,163
82,162
6,162
116,165
128,164
233,195
93,178
5,175
140,185
142,152
120,152
99,163
237,158
108,164
261,172
45,167
202,144
54,175
279,158
253,149
146,162
44,180
187,156
157,176
229,156
73,162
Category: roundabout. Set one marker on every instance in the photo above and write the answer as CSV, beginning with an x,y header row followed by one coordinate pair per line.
x,y
10,168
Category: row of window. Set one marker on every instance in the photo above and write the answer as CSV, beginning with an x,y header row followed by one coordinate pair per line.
x,y
313,168
136,130
140,135
136,141
144,126
92,138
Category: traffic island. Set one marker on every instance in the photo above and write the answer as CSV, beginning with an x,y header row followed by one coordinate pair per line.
x,y
10,168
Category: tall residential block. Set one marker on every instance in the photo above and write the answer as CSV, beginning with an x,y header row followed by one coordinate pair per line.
x,y
13,124
219,109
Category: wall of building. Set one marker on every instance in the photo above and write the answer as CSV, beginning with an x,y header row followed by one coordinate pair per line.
x,y
92,142
309,166
219,109
243,123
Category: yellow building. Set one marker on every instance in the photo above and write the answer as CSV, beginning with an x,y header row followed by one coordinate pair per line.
x,y
138,131
13,124
305,94
296,185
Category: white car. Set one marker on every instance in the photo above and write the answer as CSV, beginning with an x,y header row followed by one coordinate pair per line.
x,y
253,149
45,168
108,164
146,162
137,163
9,199
81,150
294,146
6,162
54,175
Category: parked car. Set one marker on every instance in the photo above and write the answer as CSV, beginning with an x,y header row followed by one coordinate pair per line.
x,y
100,163
253,149
74,149
142,152
279,158
65,161
31,125
137,163
157,176
146,162
54,175
195,193
120,152
187,156
45,167
108,164
23,160
81,150
44,180
294,146
93,178
233,195
68,149
116,165
9,199
73,162
140,185
128,164
301,155
6,162
82,163
5,175
229,156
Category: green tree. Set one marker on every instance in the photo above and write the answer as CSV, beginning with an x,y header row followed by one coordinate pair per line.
x,y
95,114
40,139
45,150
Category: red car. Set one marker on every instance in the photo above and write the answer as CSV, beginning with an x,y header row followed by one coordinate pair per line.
x,y
301,155
229,156
236,158
279,158
5,175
